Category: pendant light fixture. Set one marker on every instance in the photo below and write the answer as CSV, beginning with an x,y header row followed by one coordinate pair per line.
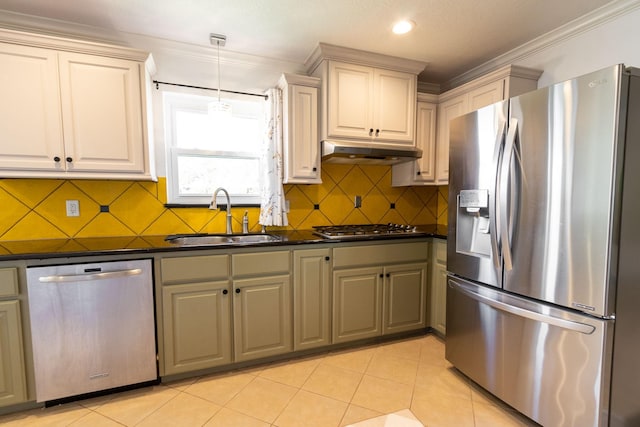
x,y
218,108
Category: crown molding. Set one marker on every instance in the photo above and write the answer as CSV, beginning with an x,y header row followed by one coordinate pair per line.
x,y
45,27
492,76
207,54
325,51
428,97
298,79
71,45
426,87
578,26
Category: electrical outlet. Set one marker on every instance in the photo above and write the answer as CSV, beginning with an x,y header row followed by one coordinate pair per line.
x,y
357,202
73,208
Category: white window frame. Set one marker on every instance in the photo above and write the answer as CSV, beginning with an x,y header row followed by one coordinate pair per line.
x,y
178,101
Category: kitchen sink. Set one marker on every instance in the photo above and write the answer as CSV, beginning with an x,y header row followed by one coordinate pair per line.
x,y
255,238
200,239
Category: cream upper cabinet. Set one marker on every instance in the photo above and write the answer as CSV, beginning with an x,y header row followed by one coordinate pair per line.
x,y
30,114
447,110
102,114
486,95
366,98
371,104
350,101
72,110
301,146
422,170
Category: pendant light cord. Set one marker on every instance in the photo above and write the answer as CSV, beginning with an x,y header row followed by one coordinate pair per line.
x,y
217,39
218,44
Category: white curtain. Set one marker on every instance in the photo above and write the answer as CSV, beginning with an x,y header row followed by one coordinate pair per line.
x,y
272,204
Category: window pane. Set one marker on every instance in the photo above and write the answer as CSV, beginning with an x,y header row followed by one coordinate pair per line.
x,y
199,176
241,130
207,149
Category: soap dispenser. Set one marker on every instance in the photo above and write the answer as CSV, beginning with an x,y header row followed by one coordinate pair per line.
x,y
245,223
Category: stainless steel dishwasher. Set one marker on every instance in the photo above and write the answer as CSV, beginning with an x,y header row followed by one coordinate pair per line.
x,y
92,327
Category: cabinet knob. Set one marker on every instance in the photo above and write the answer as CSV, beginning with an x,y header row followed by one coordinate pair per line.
x,y
388,275
419,173
377,132
69,159
370,131
314,169
56,159
224,292
381,275
237,290
327,258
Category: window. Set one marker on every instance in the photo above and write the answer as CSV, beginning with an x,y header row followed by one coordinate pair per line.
x,y
208,150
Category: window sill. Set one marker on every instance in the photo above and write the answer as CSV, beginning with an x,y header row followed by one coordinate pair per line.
x,y
222,206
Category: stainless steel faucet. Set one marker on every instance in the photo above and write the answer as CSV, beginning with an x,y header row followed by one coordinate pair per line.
x,y
214,205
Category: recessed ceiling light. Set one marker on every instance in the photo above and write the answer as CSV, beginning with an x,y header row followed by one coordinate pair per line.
x,y
403,27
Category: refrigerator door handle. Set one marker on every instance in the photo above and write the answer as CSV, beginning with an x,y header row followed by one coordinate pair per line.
x,y
503,182
528,314
494,220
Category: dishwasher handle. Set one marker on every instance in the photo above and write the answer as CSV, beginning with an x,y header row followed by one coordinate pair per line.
x,y
91,276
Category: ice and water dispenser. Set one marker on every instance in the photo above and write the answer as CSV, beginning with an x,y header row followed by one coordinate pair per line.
x,y
473,219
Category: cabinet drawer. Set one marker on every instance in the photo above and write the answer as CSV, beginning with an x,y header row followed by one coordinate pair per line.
x,y
260,263
206,267
8,282
380,254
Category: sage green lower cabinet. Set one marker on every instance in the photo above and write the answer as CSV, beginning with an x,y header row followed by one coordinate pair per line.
x,y
197,326
385,293
196,313
262,306
438,307
13,387
236,306
357,303
405,298
312,304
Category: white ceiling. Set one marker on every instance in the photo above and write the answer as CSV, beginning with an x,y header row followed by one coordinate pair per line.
x,y
452,36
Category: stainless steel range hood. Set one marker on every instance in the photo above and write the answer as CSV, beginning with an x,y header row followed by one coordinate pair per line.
x,y
345,152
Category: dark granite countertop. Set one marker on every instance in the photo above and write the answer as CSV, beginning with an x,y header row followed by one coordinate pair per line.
x,y
135,245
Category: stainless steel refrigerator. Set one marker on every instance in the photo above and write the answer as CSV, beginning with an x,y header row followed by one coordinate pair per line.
x,y
543,295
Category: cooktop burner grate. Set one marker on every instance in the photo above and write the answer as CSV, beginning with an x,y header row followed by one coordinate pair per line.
x,y
362,230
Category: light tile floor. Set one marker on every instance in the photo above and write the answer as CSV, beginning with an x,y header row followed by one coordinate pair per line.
x,y
339,388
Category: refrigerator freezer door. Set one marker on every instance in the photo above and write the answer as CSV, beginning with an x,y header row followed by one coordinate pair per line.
x,y
549,364
563,184
476,142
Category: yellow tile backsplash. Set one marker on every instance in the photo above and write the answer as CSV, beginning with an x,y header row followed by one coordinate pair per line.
x,y
35,208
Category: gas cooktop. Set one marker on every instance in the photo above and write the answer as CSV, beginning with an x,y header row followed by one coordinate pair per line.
x,y
363,230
